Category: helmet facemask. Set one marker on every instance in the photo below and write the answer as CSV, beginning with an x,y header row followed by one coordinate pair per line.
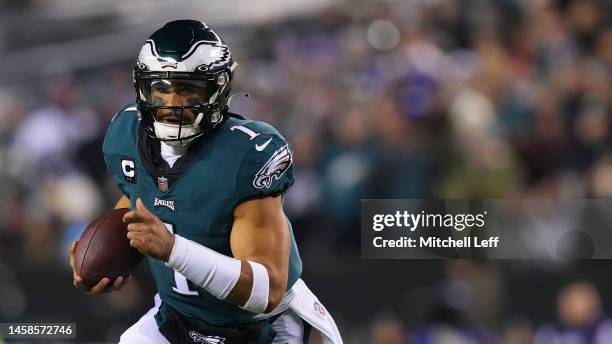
x,y
178,108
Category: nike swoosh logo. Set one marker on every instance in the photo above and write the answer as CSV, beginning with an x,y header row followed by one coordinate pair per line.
x,y
262,146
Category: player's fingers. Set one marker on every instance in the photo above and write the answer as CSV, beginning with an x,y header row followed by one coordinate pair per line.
x,y
76,280
116,284
131,216
135,235
72,253
79,284
137,227
140,206
99,288
71,260
124,282
137,216
136,243
144,212
127,216
74,274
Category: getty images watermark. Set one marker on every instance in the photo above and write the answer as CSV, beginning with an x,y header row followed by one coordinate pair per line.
x,y
424,221
486,229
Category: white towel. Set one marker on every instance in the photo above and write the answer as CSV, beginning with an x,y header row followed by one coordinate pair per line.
x,y
306,305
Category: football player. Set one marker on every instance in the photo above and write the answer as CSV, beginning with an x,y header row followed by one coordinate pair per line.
x,y
205,190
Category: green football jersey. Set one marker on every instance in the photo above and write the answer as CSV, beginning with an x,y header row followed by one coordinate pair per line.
x,y
242,160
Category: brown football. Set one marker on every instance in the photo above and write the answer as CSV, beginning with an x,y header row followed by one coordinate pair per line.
x,y
104,249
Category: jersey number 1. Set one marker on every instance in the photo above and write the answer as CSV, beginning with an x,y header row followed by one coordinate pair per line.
x,y
181,284
252,135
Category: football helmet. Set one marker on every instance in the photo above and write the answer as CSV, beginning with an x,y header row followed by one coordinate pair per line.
x,y
182,78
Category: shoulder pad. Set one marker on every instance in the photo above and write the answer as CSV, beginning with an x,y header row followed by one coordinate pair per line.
x,y
127,108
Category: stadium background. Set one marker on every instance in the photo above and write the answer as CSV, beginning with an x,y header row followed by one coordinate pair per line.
x,y
380,99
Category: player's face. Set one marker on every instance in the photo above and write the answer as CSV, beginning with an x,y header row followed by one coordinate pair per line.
x,y
177,93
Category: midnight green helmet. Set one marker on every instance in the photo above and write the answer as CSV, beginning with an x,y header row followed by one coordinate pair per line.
x,y
183,77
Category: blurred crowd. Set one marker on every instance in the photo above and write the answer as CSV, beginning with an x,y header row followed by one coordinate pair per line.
x,y
457,316
386,99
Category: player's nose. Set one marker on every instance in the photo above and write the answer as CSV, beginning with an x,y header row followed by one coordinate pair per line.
x,y
174,99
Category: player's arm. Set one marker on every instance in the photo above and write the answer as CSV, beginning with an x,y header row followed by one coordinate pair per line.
x,y
123,202
255,278
260,240
105,284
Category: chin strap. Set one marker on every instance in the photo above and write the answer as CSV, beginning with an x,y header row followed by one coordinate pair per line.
x,y
169,133
176,134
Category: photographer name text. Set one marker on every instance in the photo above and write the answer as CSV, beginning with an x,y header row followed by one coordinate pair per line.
x,y
431,242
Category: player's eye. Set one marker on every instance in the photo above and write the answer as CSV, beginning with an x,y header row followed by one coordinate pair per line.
x,y
157,101
192,101
185,89
160,87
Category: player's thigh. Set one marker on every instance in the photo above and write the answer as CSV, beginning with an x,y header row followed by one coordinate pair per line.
x,y
290,329
144,331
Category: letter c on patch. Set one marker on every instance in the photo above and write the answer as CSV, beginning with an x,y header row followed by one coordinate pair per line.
x,y
128,168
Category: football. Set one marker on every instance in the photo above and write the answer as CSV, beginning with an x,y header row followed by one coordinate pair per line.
x,y
104,249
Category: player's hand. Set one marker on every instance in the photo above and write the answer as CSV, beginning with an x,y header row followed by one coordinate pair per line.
x,y
104,286
147,233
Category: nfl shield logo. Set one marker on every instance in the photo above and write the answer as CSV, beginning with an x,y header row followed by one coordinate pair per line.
x,y
318,307
162,182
